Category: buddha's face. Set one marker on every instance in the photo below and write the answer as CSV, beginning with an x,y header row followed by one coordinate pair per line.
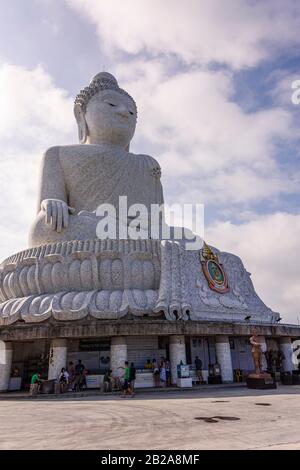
x,y
110,117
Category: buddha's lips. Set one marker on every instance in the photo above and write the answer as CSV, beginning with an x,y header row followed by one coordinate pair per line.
x,y
122,115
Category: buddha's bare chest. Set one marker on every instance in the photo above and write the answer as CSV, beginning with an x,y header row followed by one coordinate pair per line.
x,y
78,164
97,176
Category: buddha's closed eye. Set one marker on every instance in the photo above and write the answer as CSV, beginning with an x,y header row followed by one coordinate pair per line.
x,y
114,105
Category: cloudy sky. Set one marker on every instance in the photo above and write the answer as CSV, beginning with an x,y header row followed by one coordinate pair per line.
x,y
212,80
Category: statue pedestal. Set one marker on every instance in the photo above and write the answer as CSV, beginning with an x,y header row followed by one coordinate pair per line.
x,y
262,381
103,279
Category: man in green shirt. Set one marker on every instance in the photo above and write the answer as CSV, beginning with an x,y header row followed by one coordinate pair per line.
x,y
126,386
35,384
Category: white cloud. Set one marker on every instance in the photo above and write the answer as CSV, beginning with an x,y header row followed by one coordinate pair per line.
x,y
214,150
269,247
34,115
32,108
239,33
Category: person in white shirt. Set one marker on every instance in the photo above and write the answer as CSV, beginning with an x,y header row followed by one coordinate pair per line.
x,y
63,380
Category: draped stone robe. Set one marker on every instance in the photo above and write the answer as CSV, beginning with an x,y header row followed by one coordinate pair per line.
x,y
86,176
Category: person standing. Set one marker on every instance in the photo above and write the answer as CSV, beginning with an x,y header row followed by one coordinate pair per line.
x,y
198,367
162,372
85,373
79,368
71,372
107,381
63,380
132,376
155,373
126,385
168,373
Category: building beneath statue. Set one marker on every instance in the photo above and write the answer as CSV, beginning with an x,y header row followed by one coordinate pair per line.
x,y
98,301
72,295
101,346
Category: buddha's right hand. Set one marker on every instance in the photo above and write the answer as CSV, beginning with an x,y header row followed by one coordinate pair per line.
x,y
57,213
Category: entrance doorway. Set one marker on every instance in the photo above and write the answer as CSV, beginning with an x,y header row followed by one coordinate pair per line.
x,y
30,357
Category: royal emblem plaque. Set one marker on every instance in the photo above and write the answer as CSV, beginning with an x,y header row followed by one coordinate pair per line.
x,y
213,270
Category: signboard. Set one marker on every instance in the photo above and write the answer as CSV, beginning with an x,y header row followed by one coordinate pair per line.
x,y
144,380
94,345
183,371
94,381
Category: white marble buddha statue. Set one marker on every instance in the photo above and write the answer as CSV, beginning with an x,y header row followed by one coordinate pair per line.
x,y
110,279
77,179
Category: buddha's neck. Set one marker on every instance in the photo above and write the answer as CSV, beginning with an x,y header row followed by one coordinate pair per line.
x,y
103,143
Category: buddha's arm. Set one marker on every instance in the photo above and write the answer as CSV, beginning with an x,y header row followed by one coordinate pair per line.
x,y
53,195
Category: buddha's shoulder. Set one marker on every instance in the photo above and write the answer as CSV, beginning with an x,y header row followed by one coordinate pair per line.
x,y
59,150
148,160
63,152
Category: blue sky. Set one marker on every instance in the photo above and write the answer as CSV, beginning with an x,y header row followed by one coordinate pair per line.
x,y
213,89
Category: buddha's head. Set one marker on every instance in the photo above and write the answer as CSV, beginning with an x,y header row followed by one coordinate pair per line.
x,y
105,113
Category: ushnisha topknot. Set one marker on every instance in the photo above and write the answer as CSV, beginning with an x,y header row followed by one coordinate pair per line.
x,y
101,81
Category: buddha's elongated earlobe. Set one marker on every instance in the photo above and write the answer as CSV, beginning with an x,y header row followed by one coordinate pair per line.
x,y
81,123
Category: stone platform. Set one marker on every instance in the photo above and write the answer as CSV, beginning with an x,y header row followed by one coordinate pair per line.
x,y
117,279
70,280
262,381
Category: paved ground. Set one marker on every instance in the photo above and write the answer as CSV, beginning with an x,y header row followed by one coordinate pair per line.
x,y
156,421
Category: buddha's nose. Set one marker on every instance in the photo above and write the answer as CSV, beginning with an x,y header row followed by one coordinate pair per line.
x,y
122,111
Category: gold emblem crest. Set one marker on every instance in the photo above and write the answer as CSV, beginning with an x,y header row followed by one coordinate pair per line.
x,y
213,270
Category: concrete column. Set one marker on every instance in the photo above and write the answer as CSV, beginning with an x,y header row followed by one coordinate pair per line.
x,y
285,346
58,357
6,353
177,354
223,354
118,352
